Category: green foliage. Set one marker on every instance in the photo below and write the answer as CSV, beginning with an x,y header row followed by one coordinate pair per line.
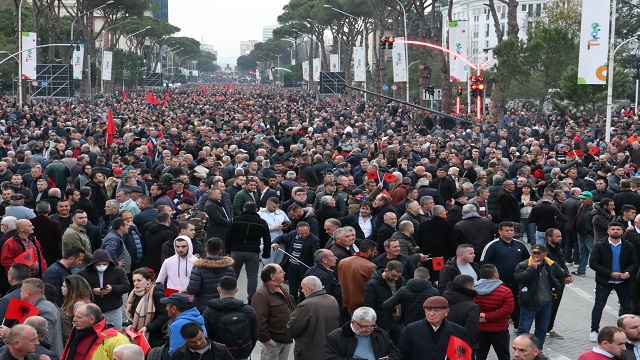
x,y
205,62
267,51
157,30
128,67
246,63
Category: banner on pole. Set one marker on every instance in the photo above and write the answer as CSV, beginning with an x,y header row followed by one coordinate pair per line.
x,y
316,69
77,62
305,70
594,42
359,64
458,69
107,64
334,60
258,77
399,61
28,56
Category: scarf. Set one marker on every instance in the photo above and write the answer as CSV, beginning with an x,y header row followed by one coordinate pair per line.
x,y
145,309
76,337
546,259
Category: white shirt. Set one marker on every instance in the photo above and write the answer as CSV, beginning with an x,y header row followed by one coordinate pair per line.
x,y
273,218
365,225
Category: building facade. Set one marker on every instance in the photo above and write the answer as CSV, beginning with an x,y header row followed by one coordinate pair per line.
x,y
267,32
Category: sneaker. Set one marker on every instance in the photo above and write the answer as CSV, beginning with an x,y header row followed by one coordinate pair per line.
x,y
578,274
593,337
554,335
569,263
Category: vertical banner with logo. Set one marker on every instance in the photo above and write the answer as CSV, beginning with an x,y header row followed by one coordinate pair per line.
x,y
28,56
399,61
77,62
316,69
107,64
305,70
458,69
594,42
334,60
359,64
258,76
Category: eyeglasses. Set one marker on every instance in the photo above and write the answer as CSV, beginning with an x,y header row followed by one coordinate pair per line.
x,y
370,327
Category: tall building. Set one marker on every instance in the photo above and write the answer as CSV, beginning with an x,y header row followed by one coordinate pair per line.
x,y
162,11
246,46
267,32
481,28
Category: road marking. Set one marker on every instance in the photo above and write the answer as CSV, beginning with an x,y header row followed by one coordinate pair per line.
x,y
591,299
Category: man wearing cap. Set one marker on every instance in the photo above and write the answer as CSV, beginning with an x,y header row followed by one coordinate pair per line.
x,y
555,253
433,335
455,212
199,219
179,309
540,280
179,192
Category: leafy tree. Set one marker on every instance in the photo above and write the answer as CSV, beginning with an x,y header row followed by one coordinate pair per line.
x,y
206,61
246,63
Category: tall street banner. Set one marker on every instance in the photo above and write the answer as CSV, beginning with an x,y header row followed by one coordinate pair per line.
x,y
594,42
77,61
458,45
334,60
316,69
107,65
359,68
258,76
399,61
28,56
305,70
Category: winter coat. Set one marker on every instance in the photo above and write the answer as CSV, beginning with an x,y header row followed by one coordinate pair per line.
x,y
246,232
310,323
306,172
242,197
205,274
176,270
528,278
417,340
463,311
509,207
55,275
408,267
353,273
217,351
216,308
98,197
342,342
626,197
329,281
102,346
219,219
600,220
114,276
476,231
376,292
601,261
75,236
450,271
411,297
496,302
436,237
49,234
505,256
156,327
309,247
156,235
273,309
546,216
13,247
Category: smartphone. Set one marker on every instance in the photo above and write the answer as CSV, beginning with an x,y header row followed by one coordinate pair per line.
x,y
103,288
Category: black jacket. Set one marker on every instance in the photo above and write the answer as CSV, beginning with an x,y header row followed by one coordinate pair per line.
x,y
601,260
55,275
114,276
546,216
155,236
219,219
476,231
309,247
450,271
216,352
382,234
352,220
509,206
205,274
411,297
376,292
529,280
306,172
341,344
463,311
417,342
216,308
437,238
98,197
329,281
245,232
408,267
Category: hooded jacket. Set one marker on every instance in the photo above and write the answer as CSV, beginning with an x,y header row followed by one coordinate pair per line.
x,y
203,282
216,308
175,338
496,302
462,310
176,270
600,220
411,297
114,276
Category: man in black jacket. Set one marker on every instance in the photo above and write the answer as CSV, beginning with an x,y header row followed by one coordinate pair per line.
x,y
614,262
378,290
555,253
206,273
412,296
302,245
325,261
462,263
545,216
197,343
242,242
462,310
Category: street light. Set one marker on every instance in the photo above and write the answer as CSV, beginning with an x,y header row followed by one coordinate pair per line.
x,y
404,13
136,33
85,13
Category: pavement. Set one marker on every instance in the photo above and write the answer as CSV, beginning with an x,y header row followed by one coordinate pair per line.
x,y
573,321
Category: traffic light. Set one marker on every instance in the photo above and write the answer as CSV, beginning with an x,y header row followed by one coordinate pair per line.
x,y
477,86
431,90
459,90
386,42
390,42
94,75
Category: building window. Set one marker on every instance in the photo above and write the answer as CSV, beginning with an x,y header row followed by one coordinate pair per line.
x,y
524,7
503,28
476,30
538,10
503,11
486,31
486,44
530,10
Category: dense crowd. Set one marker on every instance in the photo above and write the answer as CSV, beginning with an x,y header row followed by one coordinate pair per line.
x,y
377,230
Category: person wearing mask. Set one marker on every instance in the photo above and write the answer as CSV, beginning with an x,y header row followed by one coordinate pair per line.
x,y
108,283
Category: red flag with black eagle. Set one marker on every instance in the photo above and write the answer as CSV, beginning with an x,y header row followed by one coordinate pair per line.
x,y
458,349
28,257
20,310
111,127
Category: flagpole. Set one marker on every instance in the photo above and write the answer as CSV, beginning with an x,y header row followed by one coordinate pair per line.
x,y
307,266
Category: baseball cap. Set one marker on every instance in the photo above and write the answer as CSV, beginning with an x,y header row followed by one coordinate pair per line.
x,y
586,194
178,299
538,248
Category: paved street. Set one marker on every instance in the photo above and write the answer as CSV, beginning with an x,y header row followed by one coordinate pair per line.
x,y
573,321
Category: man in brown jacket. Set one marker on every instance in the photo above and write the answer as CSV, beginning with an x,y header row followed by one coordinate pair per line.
x,y
353,274
312,320
273,319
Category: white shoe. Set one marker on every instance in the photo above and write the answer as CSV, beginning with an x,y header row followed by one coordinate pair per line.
x,y
593,337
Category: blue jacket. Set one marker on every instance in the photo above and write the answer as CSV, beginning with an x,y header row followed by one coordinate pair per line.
x,y
175,339
55,275
114,244
329,281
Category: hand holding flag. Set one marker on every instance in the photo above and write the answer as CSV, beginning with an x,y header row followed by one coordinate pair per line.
x,y
20,310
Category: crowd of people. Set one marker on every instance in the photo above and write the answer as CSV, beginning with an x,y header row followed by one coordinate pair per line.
x,y
377,231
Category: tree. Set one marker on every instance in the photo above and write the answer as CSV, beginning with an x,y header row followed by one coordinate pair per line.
x,y
206,61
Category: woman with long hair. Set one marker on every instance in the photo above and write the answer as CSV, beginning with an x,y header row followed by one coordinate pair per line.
x,y
76,290
144,308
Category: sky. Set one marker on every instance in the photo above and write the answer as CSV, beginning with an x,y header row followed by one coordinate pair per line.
x,y
224,23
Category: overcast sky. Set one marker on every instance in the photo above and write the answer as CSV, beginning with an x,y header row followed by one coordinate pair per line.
x,y
224,23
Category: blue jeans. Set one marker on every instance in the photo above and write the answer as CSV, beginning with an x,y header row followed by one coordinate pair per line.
x,y
529,229
541,314
623,290
541,237
586,245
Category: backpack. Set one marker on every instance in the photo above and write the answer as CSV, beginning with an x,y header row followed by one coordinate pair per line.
x,y
234,331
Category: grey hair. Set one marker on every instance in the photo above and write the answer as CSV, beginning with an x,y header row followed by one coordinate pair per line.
x,y
468,185
291,175
319,255
113,203
340,232
39,323
469,208
405,225
129,352
10,221
364,314
55,192
325,199
425,199
437,210
313,282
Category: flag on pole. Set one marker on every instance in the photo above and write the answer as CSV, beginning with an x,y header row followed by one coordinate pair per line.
x,y
164,102
228,87
168,93
28,257
124,95
389,177
458,349
111,127
151,99
204,90
20,310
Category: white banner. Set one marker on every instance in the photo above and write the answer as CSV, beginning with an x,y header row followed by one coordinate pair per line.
x,y
334,60
359,64
305,70
594,42
77,62
316,69
107,65
258,77
399,61
458,38
28,56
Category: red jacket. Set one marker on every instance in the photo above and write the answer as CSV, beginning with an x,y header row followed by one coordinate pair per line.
x,y
13,247
186,194
497,306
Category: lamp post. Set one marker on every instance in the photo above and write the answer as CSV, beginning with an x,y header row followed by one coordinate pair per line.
x,y
612,54
173,62
20,52
364,36
136,33
404,14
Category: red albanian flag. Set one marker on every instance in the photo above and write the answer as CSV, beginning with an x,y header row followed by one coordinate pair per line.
x,y
438,263
124,95
151,99
389,177
20,310
458,349
111,127
28,257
